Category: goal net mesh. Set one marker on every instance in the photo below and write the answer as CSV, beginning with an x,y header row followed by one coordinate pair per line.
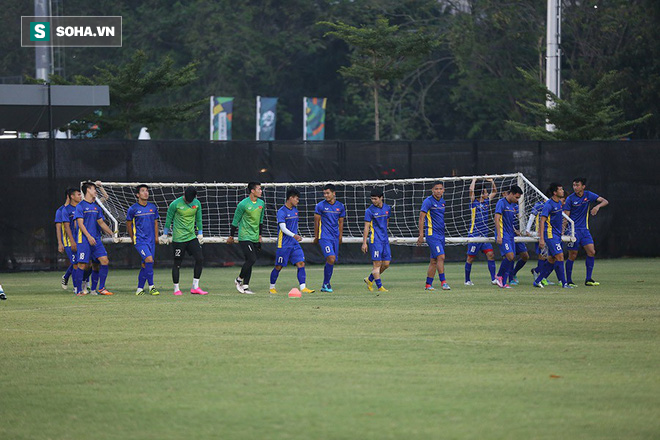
x,y
219,201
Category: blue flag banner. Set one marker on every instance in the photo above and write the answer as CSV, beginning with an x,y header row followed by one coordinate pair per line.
x,y
266,118
221,116
314,119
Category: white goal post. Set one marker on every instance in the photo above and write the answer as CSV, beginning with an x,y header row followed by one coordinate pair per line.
x,y
405,196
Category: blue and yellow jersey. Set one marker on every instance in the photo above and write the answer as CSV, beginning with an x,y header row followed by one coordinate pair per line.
x,y
479,214
434,224
377,219
91,214
290,219
143,218
61,218
553,211
578,208
536,212
508,211
330,215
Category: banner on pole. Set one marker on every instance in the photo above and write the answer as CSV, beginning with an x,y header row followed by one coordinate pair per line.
x,y
221,116
266,118
314,119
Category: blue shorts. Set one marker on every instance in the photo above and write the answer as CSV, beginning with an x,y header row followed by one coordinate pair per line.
x,y
582,238
508,246
329,247
294,254
436,245
520,248
474,248
380,251
71,255
87,252
553,245
146,250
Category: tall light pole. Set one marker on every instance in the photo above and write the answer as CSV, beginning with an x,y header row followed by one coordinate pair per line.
x,y
553,54
43,60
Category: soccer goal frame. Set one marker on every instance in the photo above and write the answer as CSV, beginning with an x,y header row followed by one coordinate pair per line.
x,y
219,201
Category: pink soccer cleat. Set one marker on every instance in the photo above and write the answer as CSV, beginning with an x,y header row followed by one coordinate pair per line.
x,y
178,293
499,281
198,291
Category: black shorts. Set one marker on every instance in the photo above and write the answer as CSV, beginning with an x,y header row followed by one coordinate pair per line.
x,y
192,247
250,249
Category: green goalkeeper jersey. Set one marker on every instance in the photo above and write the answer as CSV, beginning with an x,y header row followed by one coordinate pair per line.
x,y
185,216
248,216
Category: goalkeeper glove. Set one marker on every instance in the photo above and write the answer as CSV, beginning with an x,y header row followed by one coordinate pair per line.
x,y
163,239
200,237
115,237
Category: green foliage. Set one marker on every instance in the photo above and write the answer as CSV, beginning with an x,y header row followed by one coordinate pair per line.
x,y
584,114
381,54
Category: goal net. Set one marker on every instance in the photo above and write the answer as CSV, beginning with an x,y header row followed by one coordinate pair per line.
x,y
405,196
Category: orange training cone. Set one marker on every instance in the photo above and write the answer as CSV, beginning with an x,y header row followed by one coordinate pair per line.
x,y
294,293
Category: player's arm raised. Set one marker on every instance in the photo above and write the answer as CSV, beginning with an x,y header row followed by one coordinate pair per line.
x,y
473,184
493,189
602,202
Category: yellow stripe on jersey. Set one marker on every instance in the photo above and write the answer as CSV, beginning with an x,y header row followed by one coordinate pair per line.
x,y
587,217
474,215
500,226
429,223
371,230
537,221
134,236
79,235
65,238
279,240
549,227
320,227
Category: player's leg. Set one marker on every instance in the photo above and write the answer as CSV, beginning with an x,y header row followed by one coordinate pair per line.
x,y
82,258
69,270
329,249
590,260
149,269
430,274
573,248
96,267
194,248
142,279
177,251
282,256
546,269
521,250
506,266
98,251
243,281
3,296
490,257
386,259
297,257
471,256
558,254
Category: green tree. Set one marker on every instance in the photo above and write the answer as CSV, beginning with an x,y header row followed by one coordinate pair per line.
x,y
584,114
380,54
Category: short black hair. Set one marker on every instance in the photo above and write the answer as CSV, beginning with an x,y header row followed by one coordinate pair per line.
x,y
515,189
292,192
70,191
377,192
582,180
252,185
437,182
139,187
329,186
553,187
86,186
190,193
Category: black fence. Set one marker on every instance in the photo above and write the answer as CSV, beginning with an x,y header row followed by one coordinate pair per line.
x,y
35,172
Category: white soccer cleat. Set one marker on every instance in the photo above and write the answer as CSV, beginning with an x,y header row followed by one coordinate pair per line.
x,y
239,285
246,290
84,288
469,283
65,283
493,282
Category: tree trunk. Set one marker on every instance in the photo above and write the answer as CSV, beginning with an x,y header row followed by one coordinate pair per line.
x,y
376,115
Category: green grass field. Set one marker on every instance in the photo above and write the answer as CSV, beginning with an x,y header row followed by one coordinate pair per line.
x,y
475,362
